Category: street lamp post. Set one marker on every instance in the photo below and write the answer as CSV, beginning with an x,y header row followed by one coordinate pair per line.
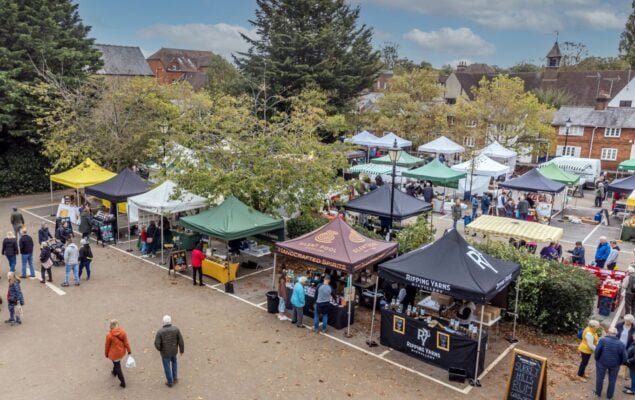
x,y
164,131
393,153
567,125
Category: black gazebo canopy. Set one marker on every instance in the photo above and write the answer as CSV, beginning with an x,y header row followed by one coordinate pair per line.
x,y
533,181
377,203
624,185
451,266
118,188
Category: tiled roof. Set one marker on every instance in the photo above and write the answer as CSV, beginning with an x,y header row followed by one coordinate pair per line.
x,y
623,117
555,51
122,60
198,80
181,60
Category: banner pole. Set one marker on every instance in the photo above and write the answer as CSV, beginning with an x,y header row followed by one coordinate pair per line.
x,y
476,382
273,278
370,342
349,285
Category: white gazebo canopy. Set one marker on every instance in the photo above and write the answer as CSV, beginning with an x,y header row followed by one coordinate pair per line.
x,y
442,145
483,165
364,138
498,152
160,200
388,140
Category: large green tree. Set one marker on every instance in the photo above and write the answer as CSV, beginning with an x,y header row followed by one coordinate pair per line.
x,y
627,41
301,43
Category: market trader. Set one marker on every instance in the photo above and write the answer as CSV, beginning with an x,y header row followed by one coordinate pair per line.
x,y
322,304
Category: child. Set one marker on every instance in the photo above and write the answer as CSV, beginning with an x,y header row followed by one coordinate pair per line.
x,y
144,237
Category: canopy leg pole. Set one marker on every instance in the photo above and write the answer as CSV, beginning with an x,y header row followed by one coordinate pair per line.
x,y
349,286
370,342
77,191
513,339
162,261
129,231
52,205
551,212
273,278
476,382
443,200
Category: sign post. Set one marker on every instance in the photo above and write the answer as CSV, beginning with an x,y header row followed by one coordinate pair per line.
x,y
527,378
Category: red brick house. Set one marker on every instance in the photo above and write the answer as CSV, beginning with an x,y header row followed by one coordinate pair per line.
x,y
173,65
600,132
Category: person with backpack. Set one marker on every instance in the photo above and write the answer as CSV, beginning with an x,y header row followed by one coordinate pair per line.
x,y
46,263
324,293
628,286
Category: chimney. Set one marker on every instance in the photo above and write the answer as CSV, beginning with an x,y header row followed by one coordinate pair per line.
x,y
602,101
462,66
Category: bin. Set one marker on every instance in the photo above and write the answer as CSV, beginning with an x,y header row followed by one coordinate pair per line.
x,y
272,302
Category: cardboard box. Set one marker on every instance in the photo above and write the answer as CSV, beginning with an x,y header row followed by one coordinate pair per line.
x,y
442,299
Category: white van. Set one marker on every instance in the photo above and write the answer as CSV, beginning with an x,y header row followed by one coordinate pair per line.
x,y
587,168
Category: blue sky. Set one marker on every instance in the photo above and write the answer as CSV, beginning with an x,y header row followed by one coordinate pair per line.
x,y
500,32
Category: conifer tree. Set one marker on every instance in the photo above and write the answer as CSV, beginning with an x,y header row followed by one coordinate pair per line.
x,y
627,41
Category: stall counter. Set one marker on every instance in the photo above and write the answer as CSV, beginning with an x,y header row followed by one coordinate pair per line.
x,y
338,315
218,269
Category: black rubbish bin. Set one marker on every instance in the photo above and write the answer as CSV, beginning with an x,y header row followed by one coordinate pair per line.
x,y
272,302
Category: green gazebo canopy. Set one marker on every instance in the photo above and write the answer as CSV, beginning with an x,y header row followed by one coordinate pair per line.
x,y
553,172
437,173
231,220
405,160
628,165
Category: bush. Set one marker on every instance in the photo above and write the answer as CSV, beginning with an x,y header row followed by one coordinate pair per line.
x,y
367,232
22,168
305,223
415,235
554,297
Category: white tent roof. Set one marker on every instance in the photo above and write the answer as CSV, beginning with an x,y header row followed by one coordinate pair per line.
x,y
159,201
388,140
442,145
364,138
483,165
496,150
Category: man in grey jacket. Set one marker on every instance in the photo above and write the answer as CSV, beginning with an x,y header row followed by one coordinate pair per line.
x,y
71,259
169,342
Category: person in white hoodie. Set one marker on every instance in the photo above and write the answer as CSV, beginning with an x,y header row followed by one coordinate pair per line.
x,y
71,259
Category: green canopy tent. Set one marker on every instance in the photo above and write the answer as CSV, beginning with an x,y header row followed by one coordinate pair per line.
x,y
628,165
233,220
405,160
553,172
437,173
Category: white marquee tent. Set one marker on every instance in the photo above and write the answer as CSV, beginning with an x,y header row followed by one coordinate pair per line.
x,y
441,145
483,166
364,138
388,140
503,155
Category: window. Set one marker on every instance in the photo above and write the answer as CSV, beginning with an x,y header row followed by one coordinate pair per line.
x,y
573,131
612,132
450,120
573,151
626,103
468,141
471,123
608,154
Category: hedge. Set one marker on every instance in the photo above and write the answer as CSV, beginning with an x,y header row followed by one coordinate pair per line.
x,y
554,297
305,223
22,168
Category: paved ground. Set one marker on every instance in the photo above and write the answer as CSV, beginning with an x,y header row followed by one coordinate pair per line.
x,y
233,348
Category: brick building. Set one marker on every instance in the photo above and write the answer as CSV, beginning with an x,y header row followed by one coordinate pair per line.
x,y
600,132
173,65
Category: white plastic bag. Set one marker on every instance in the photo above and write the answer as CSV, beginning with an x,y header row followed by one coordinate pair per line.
x,y
130,362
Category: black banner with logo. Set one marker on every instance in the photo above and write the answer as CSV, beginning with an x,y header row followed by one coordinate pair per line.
x,y
432,345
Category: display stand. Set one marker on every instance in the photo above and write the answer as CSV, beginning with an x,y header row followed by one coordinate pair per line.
x,y
178,261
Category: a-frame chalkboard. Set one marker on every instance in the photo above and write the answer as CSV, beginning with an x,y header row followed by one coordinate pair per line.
x,y
527,377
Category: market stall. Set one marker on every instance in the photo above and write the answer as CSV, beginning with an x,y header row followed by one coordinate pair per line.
x,y
163,200
339,249
441,145
515,229
556,174
232,221
628,225
534,182
405,160
364,138
385,171
447,269
501,154
116,190
439,175
85,174
388,140
628,165
480,170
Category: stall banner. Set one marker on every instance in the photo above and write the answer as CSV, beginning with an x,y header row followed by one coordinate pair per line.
x,y
431,345
68,211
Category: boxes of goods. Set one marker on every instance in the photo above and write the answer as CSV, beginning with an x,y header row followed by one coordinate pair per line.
x,y
442,299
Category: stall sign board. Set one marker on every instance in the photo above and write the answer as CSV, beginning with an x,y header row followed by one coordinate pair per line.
x,y
527,378
178,260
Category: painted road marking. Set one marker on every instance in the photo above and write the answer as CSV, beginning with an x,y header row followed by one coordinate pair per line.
x,y
49,284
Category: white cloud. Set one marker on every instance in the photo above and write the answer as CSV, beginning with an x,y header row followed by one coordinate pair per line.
x,y
536,15
460,41
223,39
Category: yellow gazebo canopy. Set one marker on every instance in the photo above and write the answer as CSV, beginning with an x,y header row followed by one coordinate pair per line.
x,y
514,228
87,173
630,201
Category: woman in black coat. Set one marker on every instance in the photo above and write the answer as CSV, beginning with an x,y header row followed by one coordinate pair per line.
x,y
154,235
11,250
630,362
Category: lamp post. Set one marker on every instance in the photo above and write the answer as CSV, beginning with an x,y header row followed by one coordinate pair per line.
x,y
164,131
393,153
567,125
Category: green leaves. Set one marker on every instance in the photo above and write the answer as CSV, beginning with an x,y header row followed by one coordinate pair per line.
x,y
415,235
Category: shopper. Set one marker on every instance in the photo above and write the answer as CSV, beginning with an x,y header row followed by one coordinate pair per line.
x,y
324,293
84,222
169,341
599,194
117,346
143,238
14,298
297,301
153,233
628,287
197,264
611,260
523,208
26,252
71,259
486,202
577,254
46,263
610,354
10,250
625,330
500,205
558,247
85,257
64,232
17,221
587,345
283,295
43,235
549,252
602,252
474,202
510,208
457,213
428,193
630,363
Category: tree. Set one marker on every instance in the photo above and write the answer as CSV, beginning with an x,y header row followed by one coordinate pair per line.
x,y
503,111
301,43
224,77
594,63
627,39
573,53
415,235
525,66
390,55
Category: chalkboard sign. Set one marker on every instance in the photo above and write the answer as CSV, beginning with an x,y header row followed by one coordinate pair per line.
x,y
527,378
178,261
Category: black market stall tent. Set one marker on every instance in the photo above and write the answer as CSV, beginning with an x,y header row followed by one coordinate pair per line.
x,y
377,202
451,266
623,185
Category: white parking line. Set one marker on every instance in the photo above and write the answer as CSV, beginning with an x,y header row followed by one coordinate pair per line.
x,y
385,352
262,304
244,276
591,233
49,284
